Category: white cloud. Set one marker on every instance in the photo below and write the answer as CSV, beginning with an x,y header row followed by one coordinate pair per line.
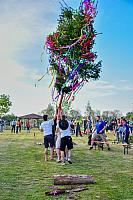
x,y
25,97
108,88
101,85
103,95
20,26
125,85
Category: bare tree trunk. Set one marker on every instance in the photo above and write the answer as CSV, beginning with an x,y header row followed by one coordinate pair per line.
x,y
60,101
59,106
73,179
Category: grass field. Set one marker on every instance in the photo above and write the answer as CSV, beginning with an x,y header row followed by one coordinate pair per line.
x,y
25,176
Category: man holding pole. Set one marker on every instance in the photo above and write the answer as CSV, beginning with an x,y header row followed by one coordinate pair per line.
x,y
46,128
64,126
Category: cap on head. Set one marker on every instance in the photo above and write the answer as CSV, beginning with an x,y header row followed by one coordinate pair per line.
x,y
45,117
63,124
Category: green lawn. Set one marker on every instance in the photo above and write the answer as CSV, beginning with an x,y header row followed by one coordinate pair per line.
x,y
25,176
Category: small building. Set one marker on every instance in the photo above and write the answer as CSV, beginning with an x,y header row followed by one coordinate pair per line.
x,y
35,120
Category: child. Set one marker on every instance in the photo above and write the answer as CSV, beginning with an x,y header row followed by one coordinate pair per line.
x,y
57,145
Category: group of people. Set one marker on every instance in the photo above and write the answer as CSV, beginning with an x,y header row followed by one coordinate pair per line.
x,y
63,144
77,125
62,127
120,126
57,133
122,130
16,125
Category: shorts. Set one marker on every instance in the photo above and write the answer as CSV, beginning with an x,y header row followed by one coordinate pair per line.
x,y
97,136
48,139
66,141
58,142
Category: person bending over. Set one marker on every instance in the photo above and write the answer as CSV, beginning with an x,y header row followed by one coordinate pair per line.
x,y
99,130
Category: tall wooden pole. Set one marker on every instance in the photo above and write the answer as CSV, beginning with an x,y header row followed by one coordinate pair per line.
x,y
60,101
59,106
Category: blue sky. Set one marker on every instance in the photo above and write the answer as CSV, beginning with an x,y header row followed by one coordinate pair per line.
x,y
24,26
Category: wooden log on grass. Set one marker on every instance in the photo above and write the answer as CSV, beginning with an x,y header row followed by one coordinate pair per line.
x,y
73,179
55,192
62,191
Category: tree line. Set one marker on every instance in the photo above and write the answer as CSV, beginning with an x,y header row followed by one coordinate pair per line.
x,y
5,105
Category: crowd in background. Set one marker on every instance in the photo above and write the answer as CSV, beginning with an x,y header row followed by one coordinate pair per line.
x,y
58,131
120,126
95,129
123,129
16,125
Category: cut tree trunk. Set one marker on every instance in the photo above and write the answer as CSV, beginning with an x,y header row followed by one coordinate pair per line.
x,y
62,191
55,192
73,179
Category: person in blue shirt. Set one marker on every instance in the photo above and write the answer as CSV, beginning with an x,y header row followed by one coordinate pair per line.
x,y
131,125
13,124
2,124
99,130
126,131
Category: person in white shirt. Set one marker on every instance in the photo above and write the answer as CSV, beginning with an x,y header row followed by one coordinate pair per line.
x,y
13,124
46,128
64,127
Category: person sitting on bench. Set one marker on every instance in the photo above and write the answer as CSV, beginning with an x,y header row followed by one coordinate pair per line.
x,y
99,129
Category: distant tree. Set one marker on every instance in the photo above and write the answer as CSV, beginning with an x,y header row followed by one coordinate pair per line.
x,y
75,114
88,109
5,104
129,115
97,112
109,115
48,111
9,117
106,115
116,113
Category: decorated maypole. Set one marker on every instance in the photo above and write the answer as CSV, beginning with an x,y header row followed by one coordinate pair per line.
x,y
71,56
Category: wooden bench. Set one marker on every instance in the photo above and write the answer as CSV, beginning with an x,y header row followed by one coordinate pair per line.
x,y
126,147
99,145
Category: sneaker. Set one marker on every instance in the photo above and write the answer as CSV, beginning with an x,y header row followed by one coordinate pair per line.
x,y
91,147
69,161
66,159
108,148
58,160
62,163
